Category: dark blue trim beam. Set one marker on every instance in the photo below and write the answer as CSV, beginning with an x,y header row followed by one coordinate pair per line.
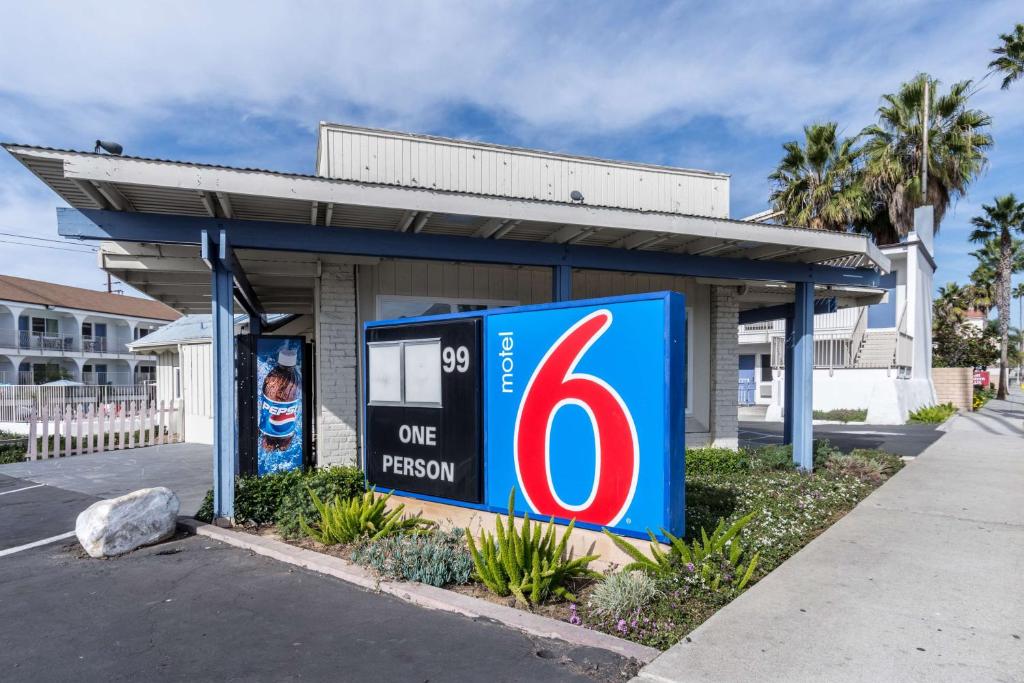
x,y
801,372
94,224
783,311
244,292
225,454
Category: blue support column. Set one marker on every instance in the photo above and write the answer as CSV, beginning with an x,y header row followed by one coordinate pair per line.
x,y
802,375
561,283
225,453
787,396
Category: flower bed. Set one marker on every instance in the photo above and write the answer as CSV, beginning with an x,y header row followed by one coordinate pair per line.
x,y
746,513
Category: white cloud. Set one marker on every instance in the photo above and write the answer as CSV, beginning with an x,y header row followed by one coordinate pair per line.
x,y
604,67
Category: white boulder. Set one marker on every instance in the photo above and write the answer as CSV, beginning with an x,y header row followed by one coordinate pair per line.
x,y
119,525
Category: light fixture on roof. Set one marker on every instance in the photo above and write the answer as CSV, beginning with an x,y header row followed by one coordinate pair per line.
x,y
576,196
108,147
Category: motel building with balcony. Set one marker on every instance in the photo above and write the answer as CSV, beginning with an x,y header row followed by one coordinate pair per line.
x,y
392,225
51,332
875,357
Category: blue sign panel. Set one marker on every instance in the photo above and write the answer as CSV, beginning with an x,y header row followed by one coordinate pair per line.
x,y
584,412
279,404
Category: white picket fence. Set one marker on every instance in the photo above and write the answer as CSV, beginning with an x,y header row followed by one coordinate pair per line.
x,y
23,402
94,428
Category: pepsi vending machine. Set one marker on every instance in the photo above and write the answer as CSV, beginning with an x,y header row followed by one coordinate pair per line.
x,y
578,407
274,389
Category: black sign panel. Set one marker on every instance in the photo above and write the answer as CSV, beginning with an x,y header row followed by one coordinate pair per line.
x,y
414,442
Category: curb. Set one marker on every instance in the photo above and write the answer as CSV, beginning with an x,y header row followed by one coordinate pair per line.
x,y
422,595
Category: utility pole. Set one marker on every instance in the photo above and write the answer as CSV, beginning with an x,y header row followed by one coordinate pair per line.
x,y
924,146
110,287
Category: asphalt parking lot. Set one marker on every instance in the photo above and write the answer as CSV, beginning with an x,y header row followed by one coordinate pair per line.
x,y
197,610
906,440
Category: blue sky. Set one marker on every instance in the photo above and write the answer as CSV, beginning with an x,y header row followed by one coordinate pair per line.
x,y
718,86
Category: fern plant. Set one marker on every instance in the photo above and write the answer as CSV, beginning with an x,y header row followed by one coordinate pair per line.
x,y
933,414
704,556
365,516
527,562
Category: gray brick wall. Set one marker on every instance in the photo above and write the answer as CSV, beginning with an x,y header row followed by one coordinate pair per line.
x,y
724,366
337,410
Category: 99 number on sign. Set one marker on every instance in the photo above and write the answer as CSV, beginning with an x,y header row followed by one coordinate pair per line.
x,y
455,359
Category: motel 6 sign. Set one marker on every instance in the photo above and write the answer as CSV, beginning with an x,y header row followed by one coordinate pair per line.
x,y
581,411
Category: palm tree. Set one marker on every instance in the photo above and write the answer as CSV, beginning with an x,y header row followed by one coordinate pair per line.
x,y
957,142
816,184
983,290
1018,294
1010,62
1000,221
952,303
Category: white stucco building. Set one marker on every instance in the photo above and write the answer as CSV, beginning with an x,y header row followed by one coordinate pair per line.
x,y
875,357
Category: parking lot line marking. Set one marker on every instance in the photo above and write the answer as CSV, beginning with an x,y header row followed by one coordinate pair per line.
x,y
26,488
36,544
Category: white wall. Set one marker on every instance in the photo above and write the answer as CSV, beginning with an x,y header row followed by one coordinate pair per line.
x,y
385,157
336,366
888,398
197,392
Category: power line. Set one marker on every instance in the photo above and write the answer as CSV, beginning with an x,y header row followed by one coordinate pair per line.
x,y
46,246
47,239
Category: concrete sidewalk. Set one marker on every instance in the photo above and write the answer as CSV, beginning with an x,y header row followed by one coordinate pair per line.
x,y
921,582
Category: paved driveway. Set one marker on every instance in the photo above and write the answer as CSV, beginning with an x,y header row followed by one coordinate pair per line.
x,y
185,468
193,609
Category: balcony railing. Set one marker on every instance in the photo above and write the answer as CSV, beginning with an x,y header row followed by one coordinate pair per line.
x,y
116,378
59,343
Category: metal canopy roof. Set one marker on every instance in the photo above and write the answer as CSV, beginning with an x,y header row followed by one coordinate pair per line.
x,y
284,280
95,181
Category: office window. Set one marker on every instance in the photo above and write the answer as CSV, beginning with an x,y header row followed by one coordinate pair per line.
x,y
766,367
393,307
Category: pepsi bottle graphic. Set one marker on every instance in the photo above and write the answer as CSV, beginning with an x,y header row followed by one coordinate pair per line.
x,y
279,403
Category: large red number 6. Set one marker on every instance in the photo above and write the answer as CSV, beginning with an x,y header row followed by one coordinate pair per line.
x,y
617,449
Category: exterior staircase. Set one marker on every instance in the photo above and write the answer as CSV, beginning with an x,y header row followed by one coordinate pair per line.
x,y
877,349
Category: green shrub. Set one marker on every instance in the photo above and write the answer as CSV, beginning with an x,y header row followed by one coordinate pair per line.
x,y
771,458
856,466
527,562
842,414
365,516
715,558
12,447
890,462
710,460
257,499
623,594
933,414
281,498
437,558
205,511
327,483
